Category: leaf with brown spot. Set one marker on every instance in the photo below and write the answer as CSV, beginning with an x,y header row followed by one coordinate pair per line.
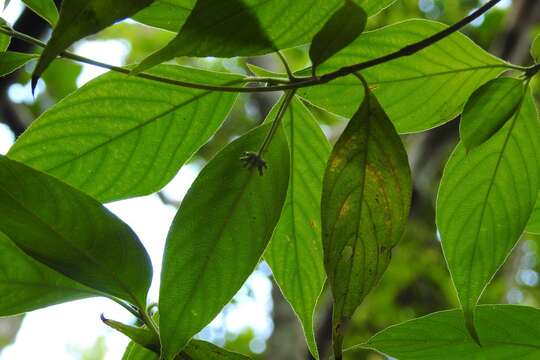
x,y
365,205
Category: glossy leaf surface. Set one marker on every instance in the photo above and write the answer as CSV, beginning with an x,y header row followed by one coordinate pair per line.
x,y
119,136
365,206
80,18
418,92
295,251
345,25
485,200
506,332
221,231
72,233
29,285
488,109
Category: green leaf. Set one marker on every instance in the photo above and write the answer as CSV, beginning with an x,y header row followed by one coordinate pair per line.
x,y
485,200
506,332
533,227
119,136
172,14
221,231
195,350
488,109
535,49
11,61
365,205
29,285
166,14
418,92
141,335
72,233
295,251
44,8
80,18
245,28
4,40
339,31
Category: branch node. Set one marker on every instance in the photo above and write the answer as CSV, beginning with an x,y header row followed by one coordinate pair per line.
x,y
254,160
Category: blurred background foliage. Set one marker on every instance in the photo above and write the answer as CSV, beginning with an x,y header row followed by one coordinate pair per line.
x,y
417,281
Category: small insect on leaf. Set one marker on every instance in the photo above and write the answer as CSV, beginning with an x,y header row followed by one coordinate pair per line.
x,y
339,31
488,109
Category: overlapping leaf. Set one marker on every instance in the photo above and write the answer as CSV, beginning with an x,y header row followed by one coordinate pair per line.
x,y
72,233
119,136
222,229
28,285
485,200
506,332
11,61
345,25
44,8
247,27
166,14
365,205
195,350
533,226
80,18
488,109
171,14
418,92
295,251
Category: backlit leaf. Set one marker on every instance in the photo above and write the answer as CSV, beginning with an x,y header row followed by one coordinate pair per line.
x,y
166,14
365,205
44,8
246,28
80,18
418,92
506,332
72,233
295,251
119,136
485,200
218,236
340,30
535,49
11,61
488,109
28,285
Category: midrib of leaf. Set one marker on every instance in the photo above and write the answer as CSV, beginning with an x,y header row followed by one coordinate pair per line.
x,y
193,288
362,190
488,193
82,250
441,73
125,133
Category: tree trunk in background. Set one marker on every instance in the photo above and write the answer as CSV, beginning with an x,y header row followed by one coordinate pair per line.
x,y
287,340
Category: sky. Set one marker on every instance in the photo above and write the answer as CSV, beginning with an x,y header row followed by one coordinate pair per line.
x,y
60,332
